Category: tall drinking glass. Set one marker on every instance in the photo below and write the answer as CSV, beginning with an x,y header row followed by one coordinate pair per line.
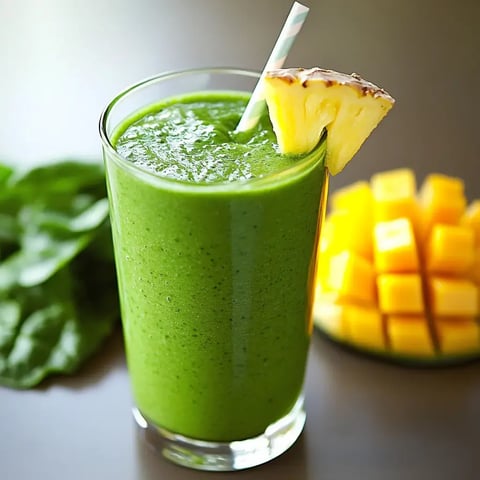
x,y
216,288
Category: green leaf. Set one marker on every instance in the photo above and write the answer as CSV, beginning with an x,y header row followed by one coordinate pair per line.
x,y
10,315
5,173
9,228
60,333
63,178
58,292
83,219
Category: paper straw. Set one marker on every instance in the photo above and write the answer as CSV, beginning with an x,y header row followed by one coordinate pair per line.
x,y
292,26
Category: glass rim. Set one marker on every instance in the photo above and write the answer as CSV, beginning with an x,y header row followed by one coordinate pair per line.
x,y
175,184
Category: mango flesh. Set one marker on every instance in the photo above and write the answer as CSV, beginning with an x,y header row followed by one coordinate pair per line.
x,y
399,269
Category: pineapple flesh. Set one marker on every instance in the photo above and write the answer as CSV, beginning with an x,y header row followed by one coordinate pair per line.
x,y
304,102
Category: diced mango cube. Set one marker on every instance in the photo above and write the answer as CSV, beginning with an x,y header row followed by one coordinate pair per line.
x,y
471,219
458,335
450,249
452,296
395,249
347,231
400,293
339,232
351,276
329,315
351,219
410,335
354,197
394,195
442,200
365,326
474,273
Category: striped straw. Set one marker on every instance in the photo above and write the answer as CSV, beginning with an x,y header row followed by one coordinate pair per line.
x,y
292,26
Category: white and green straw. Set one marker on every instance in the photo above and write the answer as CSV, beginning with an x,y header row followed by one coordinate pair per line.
x,y
292,26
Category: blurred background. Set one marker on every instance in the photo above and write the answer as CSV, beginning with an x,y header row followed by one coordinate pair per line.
x,y
61,61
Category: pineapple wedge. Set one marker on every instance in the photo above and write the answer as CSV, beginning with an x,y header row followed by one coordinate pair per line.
x,y
304,102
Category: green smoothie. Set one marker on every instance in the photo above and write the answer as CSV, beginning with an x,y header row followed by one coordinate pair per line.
x,y
215,237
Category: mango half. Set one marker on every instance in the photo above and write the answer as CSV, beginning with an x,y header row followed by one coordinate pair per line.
x,y
398,270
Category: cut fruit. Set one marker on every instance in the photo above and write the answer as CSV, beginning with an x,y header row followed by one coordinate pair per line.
x,y
343,227
442,200
352,277
449,296
471,219
365,327
353,207
357,196
394,196
409,335
304,102
458,335
400,293
450,249
423,261
395,247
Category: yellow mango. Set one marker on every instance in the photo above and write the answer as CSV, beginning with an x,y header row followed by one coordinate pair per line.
x,y
395,249
330,315
410,335
357,196
352,277
474,272
450,249
394,195
400,293
364,326
471,218
452,296
347,232
442,200
400,272
350,220
458,335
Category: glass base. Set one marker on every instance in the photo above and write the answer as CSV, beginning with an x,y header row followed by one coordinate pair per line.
x,y
225,456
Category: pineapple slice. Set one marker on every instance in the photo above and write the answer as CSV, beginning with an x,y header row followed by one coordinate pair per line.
x,y
302,103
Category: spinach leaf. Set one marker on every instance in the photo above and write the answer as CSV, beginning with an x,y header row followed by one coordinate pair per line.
x,y
58,293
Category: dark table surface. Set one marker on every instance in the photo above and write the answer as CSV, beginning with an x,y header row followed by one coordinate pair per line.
x,y
366,419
